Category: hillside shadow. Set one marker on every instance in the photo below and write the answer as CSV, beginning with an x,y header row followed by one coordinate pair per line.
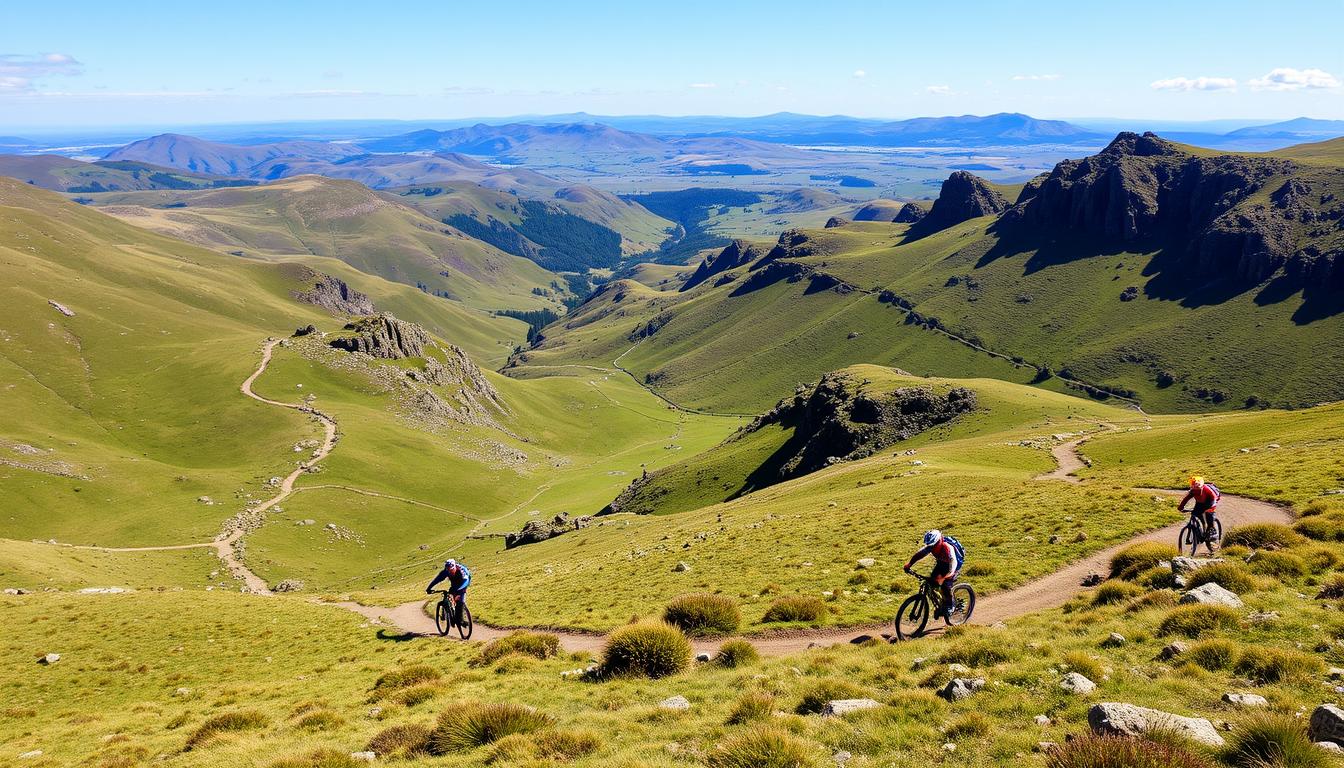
x,y
768,473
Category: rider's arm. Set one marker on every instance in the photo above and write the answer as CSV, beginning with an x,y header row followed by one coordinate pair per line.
x,y
920,555
1190,494
442,575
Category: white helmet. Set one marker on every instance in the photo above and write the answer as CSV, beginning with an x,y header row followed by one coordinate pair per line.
x,y
932,537
450,563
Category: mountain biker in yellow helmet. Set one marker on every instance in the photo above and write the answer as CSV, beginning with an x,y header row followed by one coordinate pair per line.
x,y
1206,497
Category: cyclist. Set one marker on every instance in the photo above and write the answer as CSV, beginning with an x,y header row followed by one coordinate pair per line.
x,y
945,570
459,578
1205,496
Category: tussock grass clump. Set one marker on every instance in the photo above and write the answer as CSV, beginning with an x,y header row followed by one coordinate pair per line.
x,y
404,678
1157,578
651,649
703,614
1280,565
1271,665
416,694
1196,620
1116,592
1120,752
1319,559
322,758
409,740
977,654
1162,598
468,725
754,705
736,653
548,745
228,722
978,569
542,645
762,747
1332,588
1212,654
1137,558
1084,665
816,695
970,725
320,720
1229,576
1263,535
795,608
1274,741
1321,528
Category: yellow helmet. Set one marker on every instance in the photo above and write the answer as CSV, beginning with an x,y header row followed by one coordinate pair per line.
x,y
1196,480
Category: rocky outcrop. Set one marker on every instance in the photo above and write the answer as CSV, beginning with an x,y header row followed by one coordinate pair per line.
x,y
738,253
1327,724
835,221
1115,719
909,214
333,295
540,530
964,196
383,336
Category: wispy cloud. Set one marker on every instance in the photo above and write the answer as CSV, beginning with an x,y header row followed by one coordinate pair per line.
x,y
467,90
1194,84
1037,77
334,93
1289,79
18,71
704,85
938,90
859,73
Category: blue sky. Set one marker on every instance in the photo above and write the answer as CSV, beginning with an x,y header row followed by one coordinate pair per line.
x,y
140,63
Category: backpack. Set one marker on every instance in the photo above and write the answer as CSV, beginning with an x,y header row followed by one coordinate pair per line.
x,y
956,545
1217,494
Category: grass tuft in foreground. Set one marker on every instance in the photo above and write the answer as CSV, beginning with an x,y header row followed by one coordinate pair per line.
x,y
651,649
468,725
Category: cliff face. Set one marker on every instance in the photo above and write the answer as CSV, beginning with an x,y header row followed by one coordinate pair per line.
x,y
736,254
334,295
384,336
963,196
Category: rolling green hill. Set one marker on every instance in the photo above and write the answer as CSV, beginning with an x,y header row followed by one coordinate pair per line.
x,y
63,174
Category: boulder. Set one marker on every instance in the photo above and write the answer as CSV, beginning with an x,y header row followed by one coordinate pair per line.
x,y
961,688
1245,700
1186,565
363,757
1041,720
839,707
1329,746
385,337
534,531
1211,594
289,585
866,562
1172,650
675,703
30,755
1327,724
1076,683
682,567
1114,640
49,659
703,658
1117,719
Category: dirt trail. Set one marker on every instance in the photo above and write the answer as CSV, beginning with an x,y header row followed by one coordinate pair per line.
x,y
1068,461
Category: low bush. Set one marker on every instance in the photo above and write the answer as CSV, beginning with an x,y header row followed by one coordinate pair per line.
x,y
1137,558
1120,752
736,653
242,720
1263,535
651,649
1280,565
1112,592
1196,620
1319,559
1264,664
410,740
762,747
542,645
321,720
978,569
1212,654
1321,528
1332,588
755,705
977,654
1274,741
322,758
404,678
795,608
416,694
703,614
816,695
468,725
1162,598
1229,576
970,725
1084,665
1157,578
560,745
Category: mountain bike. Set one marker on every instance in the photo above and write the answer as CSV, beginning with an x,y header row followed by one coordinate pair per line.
x,y
916,610
1195,533
452,612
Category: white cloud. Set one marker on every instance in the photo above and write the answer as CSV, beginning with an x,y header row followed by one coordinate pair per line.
x,y
860,73
704,85
18,71
1194,84
467,90
1289,79
321,93
1037,77
938,90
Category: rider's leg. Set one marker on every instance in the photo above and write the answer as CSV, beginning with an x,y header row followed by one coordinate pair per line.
x,y
1209,530
942,576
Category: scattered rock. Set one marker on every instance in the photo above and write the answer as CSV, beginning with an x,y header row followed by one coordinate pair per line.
x,y
1119,719
289,585
682,567
949,747
1092,580
840,707
1185,565
49,659
961,688
703,658
1327,724
30,754
306,330
866,562
1076,683
1054,539
1211,594
1172,650
841,757
180,692
675,703
15,591
205,500
103,590
1046,746
64,310
1329,746
534,531
1042,720
1114,640
363,757
1245,700
333,295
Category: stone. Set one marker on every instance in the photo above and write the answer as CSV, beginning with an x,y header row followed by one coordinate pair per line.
x,y
1335,673
30,755
839,707
1211,594
1327,724
1114,640
1118,719
363,757
289,585
1172,650
961,688
866,562
1054,539
682,567
1076,683
64,310
675,703
1092,580
918,663
1042,720
949,747
1329,746
49,659
1245,700
182,692
841,757
1186,565
1046,746
703,658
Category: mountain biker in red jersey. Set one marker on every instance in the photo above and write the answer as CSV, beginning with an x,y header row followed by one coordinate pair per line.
x,y
459,578
1206,497
945,570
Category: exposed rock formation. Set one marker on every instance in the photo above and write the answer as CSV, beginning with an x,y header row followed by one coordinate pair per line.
x,y
963,196
835,221
540,530
333,295
383,336
738,253
909,214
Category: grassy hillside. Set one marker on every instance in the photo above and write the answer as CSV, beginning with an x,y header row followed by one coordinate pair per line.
x,y
63,174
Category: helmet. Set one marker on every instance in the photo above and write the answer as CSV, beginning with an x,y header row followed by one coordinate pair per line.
x,y
932,537
1196,480
450,563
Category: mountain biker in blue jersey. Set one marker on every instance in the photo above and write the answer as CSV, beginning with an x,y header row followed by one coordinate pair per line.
x,y
459,578
945,570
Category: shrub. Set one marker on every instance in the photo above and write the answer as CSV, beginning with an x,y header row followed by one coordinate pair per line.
x,y
976,654
322,758
652,649
1117,592
1321,528
816,695
1212,654
736,653
1157,578
1274,741
542,645
1262,535
1120,752
971,725
404,678
1226,575
417,694
321,720
471,724
795,608
1332,588
242,720
1195,620
411,740
547,745
755,705
703,614
1162,598
762,747
1271,665
1137,558
1084,665
1319,559
1280,565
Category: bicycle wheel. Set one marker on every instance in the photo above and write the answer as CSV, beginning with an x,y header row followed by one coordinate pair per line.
x,y
1188,538
963,602
1216,535
912,617
464,622
441,619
